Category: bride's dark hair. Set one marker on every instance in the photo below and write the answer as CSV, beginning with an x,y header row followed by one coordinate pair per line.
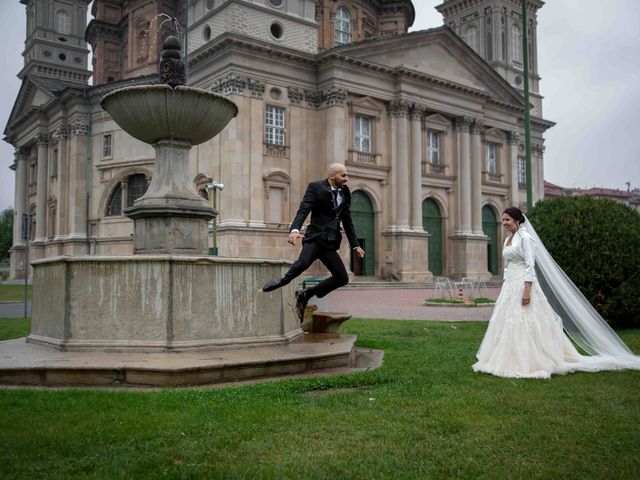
x,y
515,213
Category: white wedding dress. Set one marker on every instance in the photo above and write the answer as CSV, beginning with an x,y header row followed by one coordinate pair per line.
x,y
530,342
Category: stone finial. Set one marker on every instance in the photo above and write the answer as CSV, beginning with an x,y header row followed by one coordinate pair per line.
x,y
171,66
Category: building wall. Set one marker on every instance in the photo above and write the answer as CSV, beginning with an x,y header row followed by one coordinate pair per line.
x,y
321,95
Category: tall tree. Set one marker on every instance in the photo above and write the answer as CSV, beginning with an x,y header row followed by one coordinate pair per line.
x,y
6,232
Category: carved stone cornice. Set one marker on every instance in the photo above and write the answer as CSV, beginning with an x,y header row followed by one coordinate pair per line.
x,y
513,138
313,98
463,124
20,153
334,96
398,108
538,149
256,87
229,85
477,127
296,96
79,128
416,112
42,139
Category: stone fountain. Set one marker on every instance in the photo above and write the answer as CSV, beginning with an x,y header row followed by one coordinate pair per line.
x,y
169,314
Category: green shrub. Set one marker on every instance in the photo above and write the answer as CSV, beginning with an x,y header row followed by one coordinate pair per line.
x,y
597,244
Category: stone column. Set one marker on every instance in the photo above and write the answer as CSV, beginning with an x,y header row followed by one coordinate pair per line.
x,y
463,125
257,214
407,248
77,229
400,112
20,194
469,248
336,114
416,169
16,260
476,177
537,172
41,194
514,187
60,135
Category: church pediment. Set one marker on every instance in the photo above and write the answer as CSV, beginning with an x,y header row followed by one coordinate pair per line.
x,y
437,53
29,96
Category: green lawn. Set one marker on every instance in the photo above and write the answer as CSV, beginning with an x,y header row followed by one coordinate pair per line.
x,y
14,328
424,414
14,293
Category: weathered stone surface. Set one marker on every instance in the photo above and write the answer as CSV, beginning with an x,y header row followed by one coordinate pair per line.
x,y
153,302
328,322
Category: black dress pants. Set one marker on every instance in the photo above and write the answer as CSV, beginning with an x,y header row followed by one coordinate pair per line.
x,y
312,251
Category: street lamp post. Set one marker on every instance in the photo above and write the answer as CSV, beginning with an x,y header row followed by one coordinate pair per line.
x,y
214,186
527,106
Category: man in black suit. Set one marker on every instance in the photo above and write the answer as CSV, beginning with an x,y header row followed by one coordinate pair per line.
x,y
329,202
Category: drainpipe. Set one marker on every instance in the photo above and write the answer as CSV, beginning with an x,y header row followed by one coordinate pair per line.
x,y
88,179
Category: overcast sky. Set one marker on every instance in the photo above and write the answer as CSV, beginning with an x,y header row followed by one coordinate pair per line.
x,y
589,61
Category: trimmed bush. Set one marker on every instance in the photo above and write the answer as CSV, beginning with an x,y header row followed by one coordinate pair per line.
x,y
597,244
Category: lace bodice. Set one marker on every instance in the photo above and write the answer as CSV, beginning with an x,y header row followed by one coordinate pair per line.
x,y
519,257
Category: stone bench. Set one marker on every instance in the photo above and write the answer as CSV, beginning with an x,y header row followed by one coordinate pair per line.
x,y
323,322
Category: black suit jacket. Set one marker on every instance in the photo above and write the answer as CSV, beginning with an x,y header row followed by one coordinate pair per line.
x,y
325,219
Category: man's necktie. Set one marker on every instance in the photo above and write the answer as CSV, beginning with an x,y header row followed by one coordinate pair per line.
x,y
335,198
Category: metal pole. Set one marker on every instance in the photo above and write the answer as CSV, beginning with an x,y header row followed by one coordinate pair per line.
x,y
214,225
527,106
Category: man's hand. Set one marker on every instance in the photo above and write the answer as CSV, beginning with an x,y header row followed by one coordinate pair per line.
x,y
293,236
359,251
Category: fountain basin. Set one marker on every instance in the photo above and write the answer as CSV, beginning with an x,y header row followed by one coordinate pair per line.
x,y
155,112
147,303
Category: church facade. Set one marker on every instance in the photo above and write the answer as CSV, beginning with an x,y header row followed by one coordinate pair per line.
x,y
428,123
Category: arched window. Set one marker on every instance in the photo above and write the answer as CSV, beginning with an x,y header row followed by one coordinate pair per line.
x,y
114,206
136,186
471,37
129,190
342,33
62,22
516,43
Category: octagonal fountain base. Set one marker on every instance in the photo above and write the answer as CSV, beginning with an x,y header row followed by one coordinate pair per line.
x,y
160,320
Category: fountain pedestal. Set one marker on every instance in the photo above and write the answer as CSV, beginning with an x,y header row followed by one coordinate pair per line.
x,y
171,218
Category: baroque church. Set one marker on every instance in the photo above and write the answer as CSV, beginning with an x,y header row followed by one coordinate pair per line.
x,y
428,123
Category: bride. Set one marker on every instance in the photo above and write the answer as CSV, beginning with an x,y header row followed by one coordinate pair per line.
x,y
537,314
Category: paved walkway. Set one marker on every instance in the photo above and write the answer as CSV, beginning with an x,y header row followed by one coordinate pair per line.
x,y
400,304
391,303
14,309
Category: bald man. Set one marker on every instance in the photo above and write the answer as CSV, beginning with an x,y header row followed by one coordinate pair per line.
x,y
329,202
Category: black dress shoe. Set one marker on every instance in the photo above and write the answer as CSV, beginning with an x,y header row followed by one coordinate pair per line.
x,y
272,285
301,305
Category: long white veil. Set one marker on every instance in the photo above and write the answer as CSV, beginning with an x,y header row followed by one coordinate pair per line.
x,y
580,320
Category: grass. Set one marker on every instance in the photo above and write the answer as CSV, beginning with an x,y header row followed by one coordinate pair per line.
x,y
14,328
424,414
14,293
453,301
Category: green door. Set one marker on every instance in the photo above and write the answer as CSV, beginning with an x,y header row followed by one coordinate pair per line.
x,y
490,229
432,223
363,220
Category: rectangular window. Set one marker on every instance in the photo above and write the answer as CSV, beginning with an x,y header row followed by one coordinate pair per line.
x,y
106,145
362,137
433,147
274,132
492,158
522,170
